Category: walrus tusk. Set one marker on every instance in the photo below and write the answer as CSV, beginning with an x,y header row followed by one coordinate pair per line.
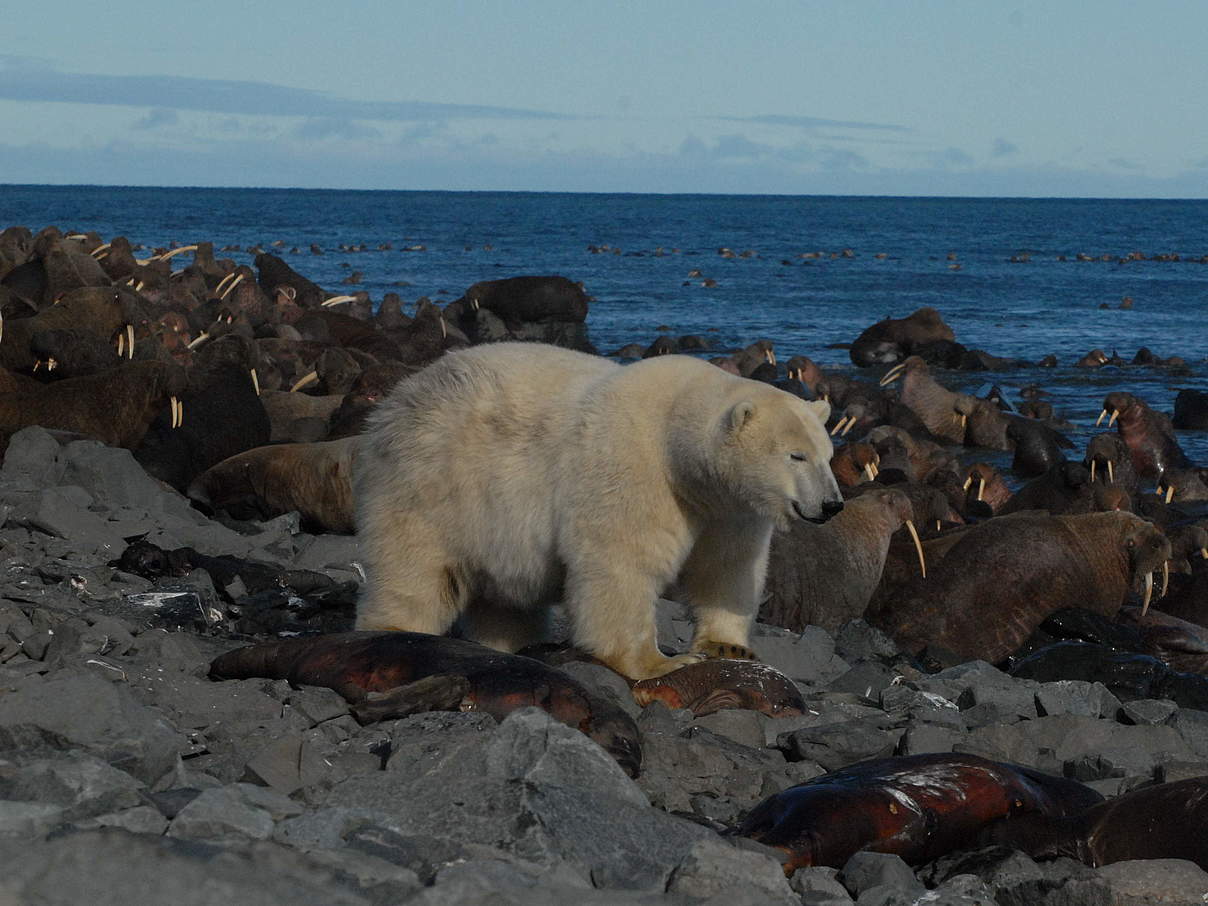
x,y
981,488
1165,578
876,469
1148,593
138,288
130,341
838,426
121,345
474,304
772,356
826,397
180,413
52,363
1204,552
1111,472
305,381
201,338
1099,420
1093,471
868,470
1169,493
226,292
173,402
221,283
1111,421
918,546
851,424
255,380
336,300
968,481
99,251
173,253
893,374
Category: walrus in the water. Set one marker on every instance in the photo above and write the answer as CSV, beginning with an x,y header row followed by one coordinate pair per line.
x,y
1005,575
893,339
1182,484
984,483
934,404
313,479
1148,434
824,575
918,807
1037,446
389,674
720,683
1166,821
1191,410
115,406
1109,460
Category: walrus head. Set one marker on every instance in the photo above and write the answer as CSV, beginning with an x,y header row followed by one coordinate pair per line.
x,y
1115,405
1148,551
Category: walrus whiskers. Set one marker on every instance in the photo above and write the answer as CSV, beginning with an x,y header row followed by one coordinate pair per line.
x,y
918,546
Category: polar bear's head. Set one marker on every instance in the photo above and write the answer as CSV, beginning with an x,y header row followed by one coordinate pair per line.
x,y
776,457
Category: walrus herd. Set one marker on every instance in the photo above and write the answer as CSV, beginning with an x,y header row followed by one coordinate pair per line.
x,y
246,388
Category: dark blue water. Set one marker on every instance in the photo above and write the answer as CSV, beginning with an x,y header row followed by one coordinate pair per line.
x,y
1017,310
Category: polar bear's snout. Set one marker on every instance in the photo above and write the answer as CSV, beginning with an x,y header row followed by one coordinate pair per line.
x,y
828,508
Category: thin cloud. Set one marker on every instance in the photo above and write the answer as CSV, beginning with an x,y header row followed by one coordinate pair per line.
x,y
811,122
335,127
1003,148
22,79
156,118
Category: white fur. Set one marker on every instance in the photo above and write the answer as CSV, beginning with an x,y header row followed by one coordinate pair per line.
x,y
505,476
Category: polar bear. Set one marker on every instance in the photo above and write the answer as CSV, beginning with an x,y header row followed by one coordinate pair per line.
x,y
509,476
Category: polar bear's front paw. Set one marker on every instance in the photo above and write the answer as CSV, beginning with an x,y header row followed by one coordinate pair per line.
x,y
655,665
724,650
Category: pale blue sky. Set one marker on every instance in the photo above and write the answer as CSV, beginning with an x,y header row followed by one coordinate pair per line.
x,y
911,98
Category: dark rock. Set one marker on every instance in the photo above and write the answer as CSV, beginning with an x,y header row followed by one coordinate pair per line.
x,y
838,745
857,641
1153,881
866,870
80,784
866,680
1076,697
1147,711
819,886
712,868
220,812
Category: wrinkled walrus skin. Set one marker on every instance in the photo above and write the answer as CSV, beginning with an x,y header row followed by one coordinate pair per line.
x,y
356,664
1167,821
918,807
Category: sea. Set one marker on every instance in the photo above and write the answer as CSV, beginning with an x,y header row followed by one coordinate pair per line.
x,y
1019,278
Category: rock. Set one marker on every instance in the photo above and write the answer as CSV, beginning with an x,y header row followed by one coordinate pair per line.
x,y
142,819
837,745
743,726
80,784
110,867
1155,881
857,641
866,870
1192,726
867,680
922,738
712,868
219,812
55,512
102,717
288,764
27,819
1147,712
807,658
32,457
819,886
1076,697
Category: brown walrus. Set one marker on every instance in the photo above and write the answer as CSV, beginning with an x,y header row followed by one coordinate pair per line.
x,y
1002,577
1166,821
934,404
720,683
918,807
115,406
269,481
855,463
381,674
824,575
891,339
1148,434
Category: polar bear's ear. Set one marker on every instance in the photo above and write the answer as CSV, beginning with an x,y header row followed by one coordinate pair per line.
x,y
820,408
739,415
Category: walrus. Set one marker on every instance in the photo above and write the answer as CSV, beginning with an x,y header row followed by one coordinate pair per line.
x,y
918,807
1148,434
721,683
115,406
824,575
934,404
1180,644
114,313
1191,410
984,483
892,339
855,463
1005,575
269,481
1166,821
381,674
1109,460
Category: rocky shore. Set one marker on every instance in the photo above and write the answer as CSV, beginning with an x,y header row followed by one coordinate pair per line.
x,y
127,775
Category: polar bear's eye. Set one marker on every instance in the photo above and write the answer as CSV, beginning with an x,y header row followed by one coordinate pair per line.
x,y
800,457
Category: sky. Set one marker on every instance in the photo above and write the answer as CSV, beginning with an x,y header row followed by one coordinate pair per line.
x,y
869,97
